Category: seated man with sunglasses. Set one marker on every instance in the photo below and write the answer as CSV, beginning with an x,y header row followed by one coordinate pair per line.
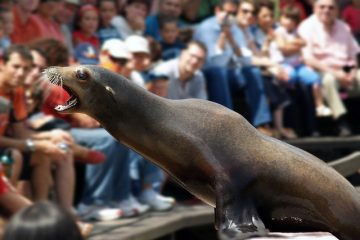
x,y
332,51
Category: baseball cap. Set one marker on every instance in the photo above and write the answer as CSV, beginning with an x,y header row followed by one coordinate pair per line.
x,y
85,53
116,48
137,44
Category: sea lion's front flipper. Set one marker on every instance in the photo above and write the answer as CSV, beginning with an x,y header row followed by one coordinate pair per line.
x,y
237,218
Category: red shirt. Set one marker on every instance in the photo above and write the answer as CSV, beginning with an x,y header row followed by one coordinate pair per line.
x,y
351,15
79,37
24,32
12,108
49,28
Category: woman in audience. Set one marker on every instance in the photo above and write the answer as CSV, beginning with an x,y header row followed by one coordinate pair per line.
x,y
85,26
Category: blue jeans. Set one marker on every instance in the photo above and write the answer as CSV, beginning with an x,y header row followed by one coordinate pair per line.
x,y
302,74
109,181
221,82
144,172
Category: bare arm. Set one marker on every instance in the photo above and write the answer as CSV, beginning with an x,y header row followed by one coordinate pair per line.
x,y
289,47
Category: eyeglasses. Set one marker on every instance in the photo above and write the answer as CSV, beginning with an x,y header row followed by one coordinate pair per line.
x,y
247,11
329,7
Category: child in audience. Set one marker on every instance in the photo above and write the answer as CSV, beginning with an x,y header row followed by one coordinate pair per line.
x,y
170,43
290,45
85,25
107,11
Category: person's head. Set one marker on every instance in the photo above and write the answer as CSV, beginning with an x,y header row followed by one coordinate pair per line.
x,y
55,51
115,56
139,47
192,57
107,10
42,220
158,85
264,13
39,65
16,64
326,11
169,29
67,11
245,13
87,19
27,5
49,8
170,8
226,9
6,16
290,18
136,9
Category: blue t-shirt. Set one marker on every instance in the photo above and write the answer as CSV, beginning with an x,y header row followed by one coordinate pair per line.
x,y
170,51
106,33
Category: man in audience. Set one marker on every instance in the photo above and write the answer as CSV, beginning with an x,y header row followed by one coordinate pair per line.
x,y
332,51
26,28
185,77
40,148
225,69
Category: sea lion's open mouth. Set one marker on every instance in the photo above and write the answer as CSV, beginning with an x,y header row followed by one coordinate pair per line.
x,y
53,75
70,103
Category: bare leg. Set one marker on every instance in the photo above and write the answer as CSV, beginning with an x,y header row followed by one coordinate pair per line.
x,y
16,167
41,176
317,95
65,182
11,202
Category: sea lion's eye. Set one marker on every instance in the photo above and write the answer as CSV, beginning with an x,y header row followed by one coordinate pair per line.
x,y
81,74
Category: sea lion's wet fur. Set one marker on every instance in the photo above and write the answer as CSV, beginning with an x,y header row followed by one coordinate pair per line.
x,y
219,157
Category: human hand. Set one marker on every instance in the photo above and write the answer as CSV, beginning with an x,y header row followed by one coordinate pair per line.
x,y
346,80
51,149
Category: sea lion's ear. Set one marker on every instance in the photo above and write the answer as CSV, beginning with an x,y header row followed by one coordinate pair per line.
x,y
110,90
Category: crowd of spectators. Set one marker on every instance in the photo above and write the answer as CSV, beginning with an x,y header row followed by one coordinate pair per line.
x,y
258,52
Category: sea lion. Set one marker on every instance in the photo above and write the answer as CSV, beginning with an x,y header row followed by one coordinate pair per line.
x,y
251,180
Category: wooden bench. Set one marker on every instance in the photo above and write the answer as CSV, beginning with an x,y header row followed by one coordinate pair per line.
x,y
154,225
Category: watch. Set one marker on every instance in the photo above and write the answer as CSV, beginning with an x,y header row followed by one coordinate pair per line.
x,y
30,145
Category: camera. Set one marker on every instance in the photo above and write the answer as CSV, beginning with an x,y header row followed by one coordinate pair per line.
x,y
228,20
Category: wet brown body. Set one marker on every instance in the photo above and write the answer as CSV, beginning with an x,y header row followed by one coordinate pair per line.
x,y
219,157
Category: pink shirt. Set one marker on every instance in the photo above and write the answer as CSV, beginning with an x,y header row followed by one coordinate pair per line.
x,y
335,49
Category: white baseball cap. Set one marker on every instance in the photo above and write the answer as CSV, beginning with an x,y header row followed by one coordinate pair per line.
x,y
137,43
116,48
